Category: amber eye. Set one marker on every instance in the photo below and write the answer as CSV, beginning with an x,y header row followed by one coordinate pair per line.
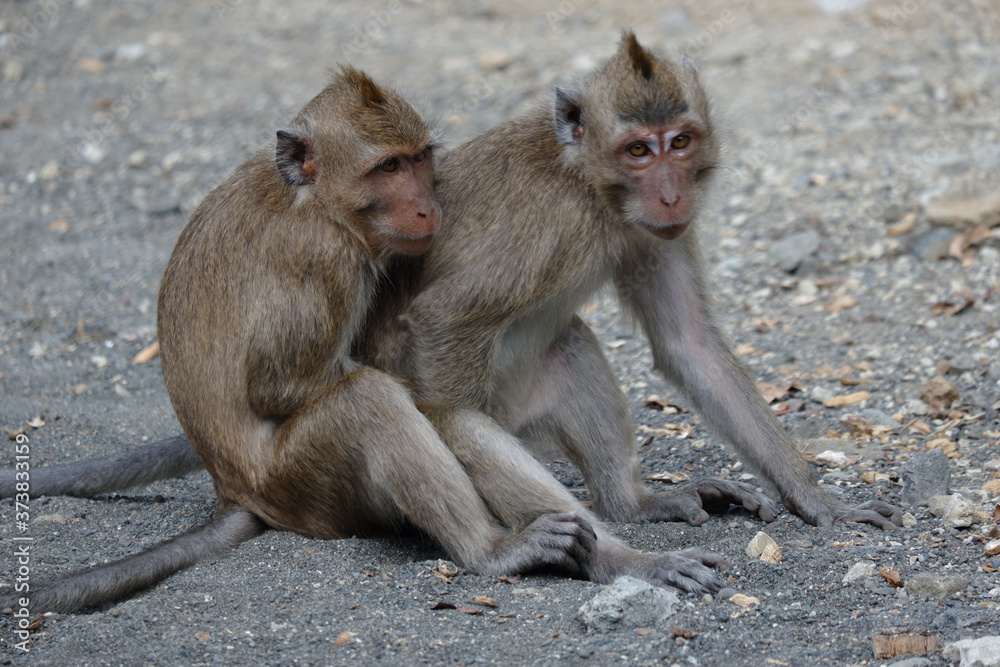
x,y
390,165
681,141
639,150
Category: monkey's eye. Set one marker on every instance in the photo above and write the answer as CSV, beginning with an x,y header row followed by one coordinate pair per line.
x,y
639,150
389,165
681,141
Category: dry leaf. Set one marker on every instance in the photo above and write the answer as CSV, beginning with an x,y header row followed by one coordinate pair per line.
x,y
771,554
961,244
663,405
484,601
891,576
678,631
445,570
644,632
872,477
670,477
904,226
15,433
847,399
510,578
92,65
939,394
840,304
37,422
903,642
443,605
951,309
345,637
60,225
773,392
949,448
470,611
203,635
744,600
147,353
745,348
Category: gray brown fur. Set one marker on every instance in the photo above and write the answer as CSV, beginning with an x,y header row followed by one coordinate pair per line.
x,y
540,217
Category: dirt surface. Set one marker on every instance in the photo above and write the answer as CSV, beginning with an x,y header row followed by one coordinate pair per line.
x,y
864,147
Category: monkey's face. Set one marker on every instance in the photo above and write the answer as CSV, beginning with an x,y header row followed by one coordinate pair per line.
x,y
659,167
405,214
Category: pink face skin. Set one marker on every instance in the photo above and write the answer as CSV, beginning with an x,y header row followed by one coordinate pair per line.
x,y
412,214
661,163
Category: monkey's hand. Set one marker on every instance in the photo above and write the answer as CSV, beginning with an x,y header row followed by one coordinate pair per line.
x,y
692,501
564,540
690,570
821,509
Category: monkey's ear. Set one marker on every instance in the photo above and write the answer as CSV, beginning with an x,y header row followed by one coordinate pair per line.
x,y
568,116
295,157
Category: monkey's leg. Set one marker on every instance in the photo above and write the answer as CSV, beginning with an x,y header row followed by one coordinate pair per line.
x,y
517,488
577,401
362,457
170,457
674,309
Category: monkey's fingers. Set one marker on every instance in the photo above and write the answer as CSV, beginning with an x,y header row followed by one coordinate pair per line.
x,y
690,501
691,570
719,494
877,513
562,540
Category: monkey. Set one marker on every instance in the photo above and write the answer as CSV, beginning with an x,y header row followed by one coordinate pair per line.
x,y
263,312
606,183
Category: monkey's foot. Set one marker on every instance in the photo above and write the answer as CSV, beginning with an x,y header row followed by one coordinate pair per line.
x,y
690,570
689,501
821,509
564,540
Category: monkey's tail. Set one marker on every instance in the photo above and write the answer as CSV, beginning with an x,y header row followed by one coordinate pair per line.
x,y
230,527
170,457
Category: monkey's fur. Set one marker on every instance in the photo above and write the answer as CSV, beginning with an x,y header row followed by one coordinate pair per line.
x,y
557,211
540,213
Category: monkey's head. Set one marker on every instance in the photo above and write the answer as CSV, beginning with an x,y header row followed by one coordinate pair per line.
x,y
364,154
639,128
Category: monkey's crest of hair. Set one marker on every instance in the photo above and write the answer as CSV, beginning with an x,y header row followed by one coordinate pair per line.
x,y
651,89
377,115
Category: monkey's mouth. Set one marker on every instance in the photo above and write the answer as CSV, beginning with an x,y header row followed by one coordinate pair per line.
x,y
670,232
415,246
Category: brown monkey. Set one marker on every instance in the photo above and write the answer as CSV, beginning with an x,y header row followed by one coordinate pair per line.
x,y
262,318
603,186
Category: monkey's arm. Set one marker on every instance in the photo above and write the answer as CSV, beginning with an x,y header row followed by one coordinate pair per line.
x,y
453,360
688,348
170,457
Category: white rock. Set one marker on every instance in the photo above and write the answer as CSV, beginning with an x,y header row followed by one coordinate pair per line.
x,y
859,572
757,545
626,604
982,652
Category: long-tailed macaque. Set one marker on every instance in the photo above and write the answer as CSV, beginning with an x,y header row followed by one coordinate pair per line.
x,y
605,185
263,320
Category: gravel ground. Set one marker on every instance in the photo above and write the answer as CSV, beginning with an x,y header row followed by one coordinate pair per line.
x,y
852,252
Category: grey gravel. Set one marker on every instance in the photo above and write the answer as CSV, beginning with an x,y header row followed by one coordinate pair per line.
x,y
846,124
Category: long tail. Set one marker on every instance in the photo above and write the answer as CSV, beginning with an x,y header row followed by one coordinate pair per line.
x,y
170,457
229,528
